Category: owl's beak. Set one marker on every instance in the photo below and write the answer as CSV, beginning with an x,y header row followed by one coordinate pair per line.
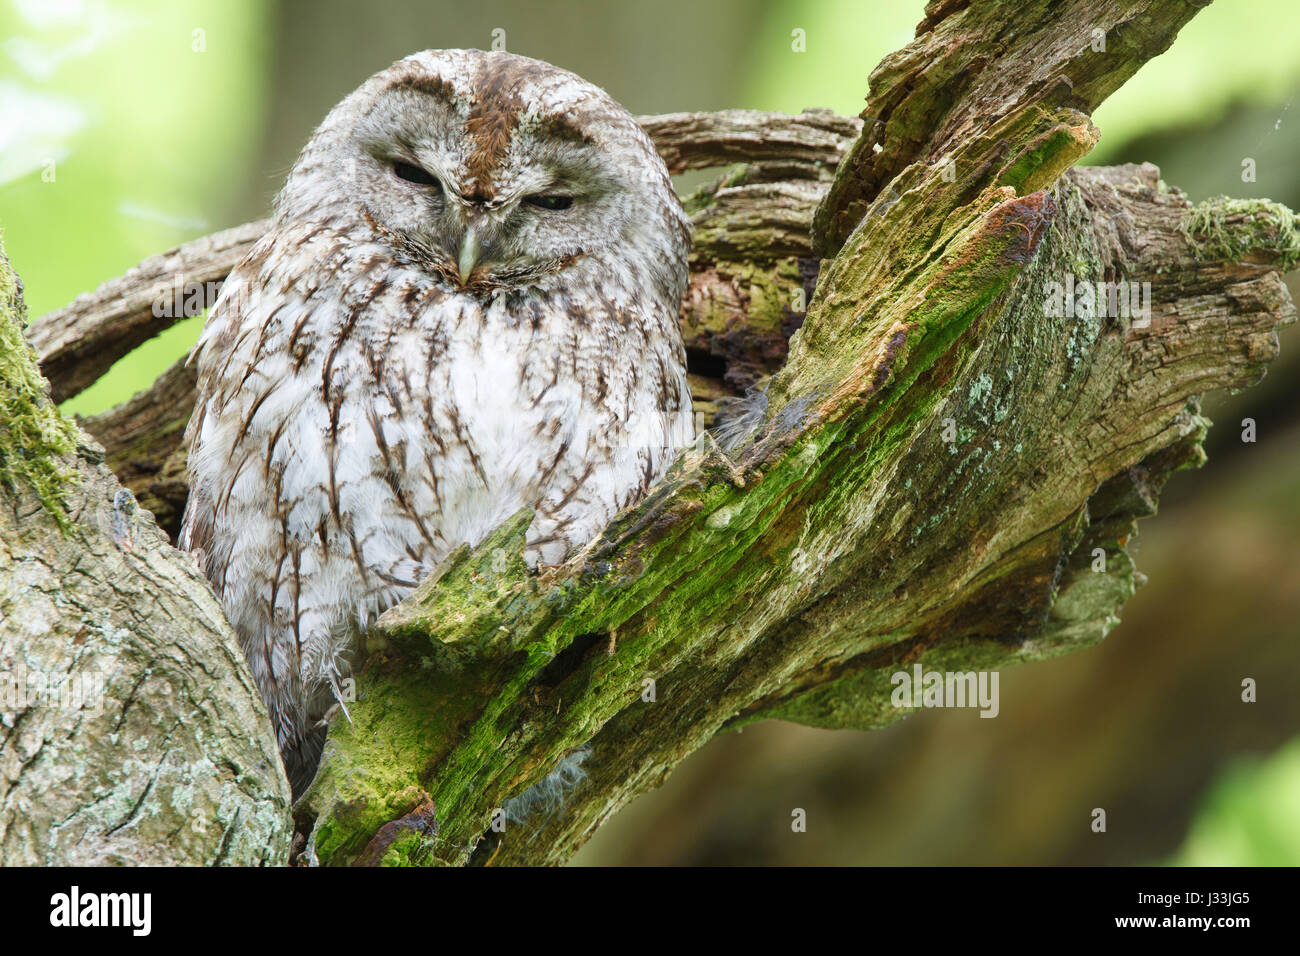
x,y
470,250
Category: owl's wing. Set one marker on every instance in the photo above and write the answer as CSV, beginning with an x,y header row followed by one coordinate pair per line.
x,y
198,524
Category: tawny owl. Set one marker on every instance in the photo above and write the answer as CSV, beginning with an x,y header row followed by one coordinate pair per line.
x,y
467,304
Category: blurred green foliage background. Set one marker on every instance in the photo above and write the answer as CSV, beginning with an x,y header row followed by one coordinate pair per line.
x,y
129,127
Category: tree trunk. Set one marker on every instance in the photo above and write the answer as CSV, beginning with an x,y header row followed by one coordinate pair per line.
x,y
130,728
949,464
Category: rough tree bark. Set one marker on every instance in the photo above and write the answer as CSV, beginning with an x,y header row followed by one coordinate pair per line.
x,y
944,461
130,728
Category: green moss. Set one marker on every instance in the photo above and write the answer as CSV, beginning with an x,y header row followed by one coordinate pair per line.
x,y
768,289
1261,226
35,437
705,196
1046,156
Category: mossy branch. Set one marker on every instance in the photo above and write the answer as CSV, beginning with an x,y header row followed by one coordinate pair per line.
x,y
851,536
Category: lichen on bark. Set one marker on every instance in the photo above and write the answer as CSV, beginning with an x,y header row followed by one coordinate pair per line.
x,y
1237,229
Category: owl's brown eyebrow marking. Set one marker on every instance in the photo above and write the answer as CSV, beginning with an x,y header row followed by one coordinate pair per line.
x,y
564,128
418,82
495,109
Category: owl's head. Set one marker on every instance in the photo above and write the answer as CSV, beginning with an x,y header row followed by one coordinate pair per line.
x,y
493,171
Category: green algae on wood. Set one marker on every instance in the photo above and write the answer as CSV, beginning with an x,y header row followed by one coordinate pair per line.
x,y
35,438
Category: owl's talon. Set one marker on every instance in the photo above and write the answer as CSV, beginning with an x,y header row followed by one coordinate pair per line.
x,y
330,714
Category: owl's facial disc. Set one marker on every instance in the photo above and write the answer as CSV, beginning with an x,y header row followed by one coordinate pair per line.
x,y
523,227
499,172
524,223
